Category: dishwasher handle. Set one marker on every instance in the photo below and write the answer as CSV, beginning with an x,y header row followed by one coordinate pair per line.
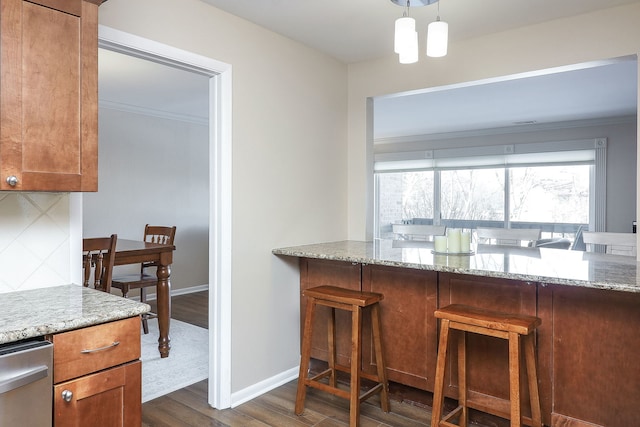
x,y
23,379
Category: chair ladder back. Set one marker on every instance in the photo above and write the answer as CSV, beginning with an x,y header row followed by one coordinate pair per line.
x,y
159,234
98,260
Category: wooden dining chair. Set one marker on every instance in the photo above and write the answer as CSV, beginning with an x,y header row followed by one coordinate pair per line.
x,y
152,234
97,261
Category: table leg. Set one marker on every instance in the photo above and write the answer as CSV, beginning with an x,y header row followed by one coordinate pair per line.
x,y
163,294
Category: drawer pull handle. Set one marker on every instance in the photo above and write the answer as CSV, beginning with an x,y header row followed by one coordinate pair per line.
x,y
107,347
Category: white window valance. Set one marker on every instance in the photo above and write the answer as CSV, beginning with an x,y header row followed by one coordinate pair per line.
x,y
530,154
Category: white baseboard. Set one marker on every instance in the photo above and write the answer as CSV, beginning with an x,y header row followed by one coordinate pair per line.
x,y
181,291
262,387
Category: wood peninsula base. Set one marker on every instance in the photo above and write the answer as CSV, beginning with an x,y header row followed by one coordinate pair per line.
x,y
587,345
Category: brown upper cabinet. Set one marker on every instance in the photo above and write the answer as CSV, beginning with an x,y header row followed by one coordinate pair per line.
x,y
49,95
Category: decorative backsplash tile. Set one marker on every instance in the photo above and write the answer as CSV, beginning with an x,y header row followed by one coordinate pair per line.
x,y
34,240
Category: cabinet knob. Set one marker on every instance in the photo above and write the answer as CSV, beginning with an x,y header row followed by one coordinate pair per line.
x,y
12,180
67,395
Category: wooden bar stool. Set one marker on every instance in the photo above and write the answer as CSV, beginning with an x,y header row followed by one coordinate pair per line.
x,y
353,301
512,327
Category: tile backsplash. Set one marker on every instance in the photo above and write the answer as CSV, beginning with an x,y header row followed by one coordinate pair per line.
x,y
34,240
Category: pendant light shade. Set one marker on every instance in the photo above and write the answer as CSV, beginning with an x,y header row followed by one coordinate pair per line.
x,y
437,38
405,30
410,54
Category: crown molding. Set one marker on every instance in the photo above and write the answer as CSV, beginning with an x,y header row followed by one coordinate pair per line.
x,y
189,118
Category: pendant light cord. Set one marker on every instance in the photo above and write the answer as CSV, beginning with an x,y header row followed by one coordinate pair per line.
x,y
406,10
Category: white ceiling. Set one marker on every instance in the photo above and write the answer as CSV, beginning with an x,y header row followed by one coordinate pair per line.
x,y
588,92
354,30
357,30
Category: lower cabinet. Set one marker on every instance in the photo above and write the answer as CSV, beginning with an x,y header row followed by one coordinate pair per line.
x,y
408,325
97,375
587,344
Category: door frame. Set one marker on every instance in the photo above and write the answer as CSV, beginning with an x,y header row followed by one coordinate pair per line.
x,y
220,140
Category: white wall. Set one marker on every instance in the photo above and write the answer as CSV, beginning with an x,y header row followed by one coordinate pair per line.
x,y
289,163
605,34
153,170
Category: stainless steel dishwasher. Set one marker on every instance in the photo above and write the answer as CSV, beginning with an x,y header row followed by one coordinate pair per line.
x,y
26,384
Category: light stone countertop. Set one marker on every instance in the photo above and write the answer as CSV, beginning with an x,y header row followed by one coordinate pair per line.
x,y
37,312
542,265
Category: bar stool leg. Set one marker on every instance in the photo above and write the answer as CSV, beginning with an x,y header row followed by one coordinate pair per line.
x,y
438,393
331,338
377,342
356,366
532,379
514,378
305,357
462,378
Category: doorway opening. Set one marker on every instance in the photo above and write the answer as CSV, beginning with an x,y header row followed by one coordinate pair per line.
x,y
218,178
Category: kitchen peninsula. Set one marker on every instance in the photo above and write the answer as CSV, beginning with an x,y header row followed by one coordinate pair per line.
x,y
589,304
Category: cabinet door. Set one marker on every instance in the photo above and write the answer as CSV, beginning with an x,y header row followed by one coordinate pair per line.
x,y
487,357
316,272
409,333
107,398
595,357
48,95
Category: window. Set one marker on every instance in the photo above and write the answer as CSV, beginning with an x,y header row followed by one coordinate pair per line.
x,y
551,186
558,194
402,196
472,194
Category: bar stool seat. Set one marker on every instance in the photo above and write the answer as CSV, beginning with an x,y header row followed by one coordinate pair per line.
x,y
353,301
512,327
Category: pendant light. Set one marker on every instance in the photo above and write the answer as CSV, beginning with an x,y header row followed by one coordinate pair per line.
x,y
437,37
406,37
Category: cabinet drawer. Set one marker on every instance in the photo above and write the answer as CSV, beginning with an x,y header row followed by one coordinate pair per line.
x,y
87,350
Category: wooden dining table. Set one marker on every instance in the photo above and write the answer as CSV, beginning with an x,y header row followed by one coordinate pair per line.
x,y
138,251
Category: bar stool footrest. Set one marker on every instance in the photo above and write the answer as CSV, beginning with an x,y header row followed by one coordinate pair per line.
x,y
315,383
345,394
373,390
321,375
494,406
446,420
363,374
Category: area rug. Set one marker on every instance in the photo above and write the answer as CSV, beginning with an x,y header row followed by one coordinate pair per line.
x,y
188,360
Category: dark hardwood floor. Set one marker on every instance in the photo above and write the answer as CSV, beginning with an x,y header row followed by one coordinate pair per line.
x,y
188,406
191,308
